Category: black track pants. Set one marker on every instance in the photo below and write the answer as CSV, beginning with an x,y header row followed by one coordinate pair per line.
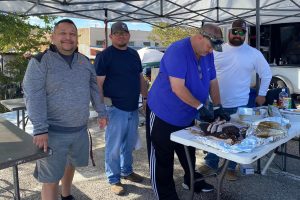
x,y
161,156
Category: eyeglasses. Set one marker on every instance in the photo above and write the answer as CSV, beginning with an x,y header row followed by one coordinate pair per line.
x,y
120,33
238,32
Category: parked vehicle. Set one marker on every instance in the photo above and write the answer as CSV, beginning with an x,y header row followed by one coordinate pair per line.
x,y
280,44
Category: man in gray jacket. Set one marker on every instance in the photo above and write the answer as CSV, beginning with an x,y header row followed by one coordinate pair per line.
x,y
58,86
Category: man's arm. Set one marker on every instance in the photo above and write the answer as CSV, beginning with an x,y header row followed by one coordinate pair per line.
x,y
264,71
103,119
100,82
214,92
182,92
144,86
144,91
215,97
34,86
97,96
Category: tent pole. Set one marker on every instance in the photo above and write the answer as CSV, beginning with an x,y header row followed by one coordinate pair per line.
x,y
218,10
257,38
258,48
105,29
161,8
257,25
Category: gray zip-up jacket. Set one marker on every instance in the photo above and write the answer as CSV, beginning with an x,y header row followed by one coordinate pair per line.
x,y
59,94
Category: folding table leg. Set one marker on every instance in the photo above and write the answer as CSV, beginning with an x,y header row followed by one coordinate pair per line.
x,y
23,120
191,192
16,182
284,157
18,118
268,163
221,178
258,166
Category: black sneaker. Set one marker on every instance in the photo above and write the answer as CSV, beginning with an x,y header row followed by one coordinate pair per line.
x,y
200,186
70,197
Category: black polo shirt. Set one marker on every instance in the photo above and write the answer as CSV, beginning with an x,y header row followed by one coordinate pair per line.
x,y
122,69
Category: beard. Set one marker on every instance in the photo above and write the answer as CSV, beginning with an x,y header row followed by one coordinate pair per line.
x,y
235,41
122,45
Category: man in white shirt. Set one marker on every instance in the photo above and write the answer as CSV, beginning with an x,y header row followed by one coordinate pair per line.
x,y
234,67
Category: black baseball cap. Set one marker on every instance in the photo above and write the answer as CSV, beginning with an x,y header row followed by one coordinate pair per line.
x,y
119,26
239,24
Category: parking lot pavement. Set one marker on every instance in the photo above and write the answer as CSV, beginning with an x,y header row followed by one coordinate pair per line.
x,y
90,182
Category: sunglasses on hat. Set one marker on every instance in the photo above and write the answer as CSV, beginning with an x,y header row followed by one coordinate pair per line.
x,y
216,43
238,32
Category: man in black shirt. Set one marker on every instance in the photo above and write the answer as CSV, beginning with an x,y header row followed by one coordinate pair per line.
x,y
120,79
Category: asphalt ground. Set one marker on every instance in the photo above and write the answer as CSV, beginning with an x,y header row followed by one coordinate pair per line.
x,y
90,182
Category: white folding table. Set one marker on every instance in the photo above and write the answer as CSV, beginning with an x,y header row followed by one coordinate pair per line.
x,y
186,138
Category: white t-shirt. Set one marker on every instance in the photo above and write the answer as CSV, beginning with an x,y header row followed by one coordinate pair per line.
x,y
234,67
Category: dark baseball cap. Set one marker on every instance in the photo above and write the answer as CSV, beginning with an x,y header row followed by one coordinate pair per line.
x,y
239,24
214,34
119,26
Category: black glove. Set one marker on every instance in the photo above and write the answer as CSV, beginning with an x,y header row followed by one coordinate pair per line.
x,y
205,115
219,112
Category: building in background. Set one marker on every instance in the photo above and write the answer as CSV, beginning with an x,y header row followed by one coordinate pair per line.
x,y
91,40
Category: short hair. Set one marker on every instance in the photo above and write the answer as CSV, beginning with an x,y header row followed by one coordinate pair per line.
x,y
64,21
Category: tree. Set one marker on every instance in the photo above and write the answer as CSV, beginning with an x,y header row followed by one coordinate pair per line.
x,y
168,34
18,36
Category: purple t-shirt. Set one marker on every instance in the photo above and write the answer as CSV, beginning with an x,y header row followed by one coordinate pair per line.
x,y
180,61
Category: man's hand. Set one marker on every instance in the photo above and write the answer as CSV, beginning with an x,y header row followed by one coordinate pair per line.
x,y
219,112
144,106
41,141
260,100
102,121
205,115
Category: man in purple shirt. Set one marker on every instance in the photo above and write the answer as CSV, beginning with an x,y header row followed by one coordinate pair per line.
x,y
187,76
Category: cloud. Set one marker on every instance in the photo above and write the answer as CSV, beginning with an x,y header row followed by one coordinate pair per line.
x,y
96,24
36,21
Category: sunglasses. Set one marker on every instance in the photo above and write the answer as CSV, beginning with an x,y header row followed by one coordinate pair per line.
x,y
215,42
238,32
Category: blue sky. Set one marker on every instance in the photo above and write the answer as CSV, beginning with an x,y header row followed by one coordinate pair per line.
x,y
84,23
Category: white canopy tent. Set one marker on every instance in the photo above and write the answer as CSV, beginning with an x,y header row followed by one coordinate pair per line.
x,y
175,12
150,55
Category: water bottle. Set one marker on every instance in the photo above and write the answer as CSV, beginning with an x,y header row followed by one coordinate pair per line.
x,y
283,99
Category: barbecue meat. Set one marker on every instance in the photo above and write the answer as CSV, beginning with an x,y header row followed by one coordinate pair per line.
x,y
221,129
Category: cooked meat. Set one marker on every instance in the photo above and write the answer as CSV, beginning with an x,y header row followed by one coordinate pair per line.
x,y
268,125
221,129
266,129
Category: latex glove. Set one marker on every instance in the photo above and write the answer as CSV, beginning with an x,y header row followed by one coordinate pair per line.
x,y
205,115
219,112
